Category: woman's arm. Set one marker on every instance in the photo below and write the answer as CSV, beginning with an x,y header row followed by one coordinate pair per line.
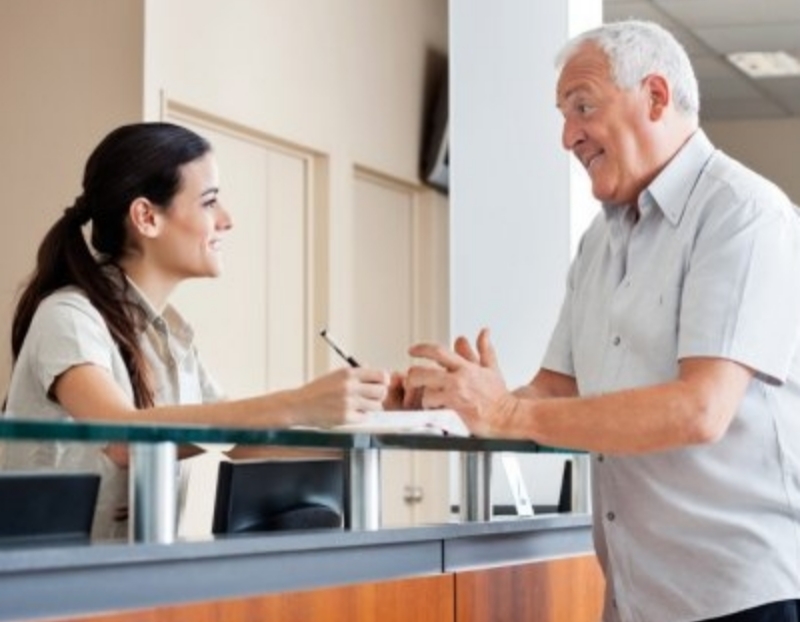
x,y
89,392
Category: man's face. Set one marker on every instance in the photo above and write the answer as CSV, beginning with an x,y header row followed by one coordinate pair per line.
x,y
608,129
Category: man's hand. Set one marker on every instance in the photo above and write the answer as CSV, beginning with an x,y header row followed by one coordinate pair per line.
x,y
467,381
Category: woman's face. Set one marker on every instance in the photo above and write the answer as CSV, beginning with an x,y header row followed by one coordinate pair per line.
x,y
192,226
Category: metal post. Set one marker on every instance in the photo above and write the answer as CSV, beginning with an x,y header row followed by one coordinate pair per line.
x,y
363,506
581,484
153,492
476,494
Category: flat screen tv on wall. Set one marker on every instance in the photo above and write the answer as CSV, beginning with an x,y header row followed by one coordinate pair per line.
x,y
436,156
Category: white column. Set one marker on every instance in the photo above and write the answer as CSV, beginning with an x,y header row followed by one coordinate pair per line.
x,y
517,204
511,197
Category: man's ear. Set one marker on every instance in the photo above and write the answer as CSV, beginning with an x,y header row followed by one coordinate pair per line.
x,y
659,92
145,217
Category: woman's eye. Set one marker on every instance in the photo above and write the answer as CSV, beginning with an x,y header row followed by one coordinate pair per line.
x,y
210,203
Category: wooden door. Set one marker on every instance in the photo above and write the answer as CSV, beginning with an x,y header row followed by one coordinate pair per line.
x,y
399,298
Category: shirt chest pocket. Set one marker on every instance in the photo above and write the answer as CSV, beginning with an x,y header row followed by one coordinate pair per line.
x,y
654,337
189,386
178,383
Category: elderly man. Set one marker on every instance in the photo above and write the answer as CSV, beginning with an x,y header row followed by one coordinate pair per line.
x,y
675,359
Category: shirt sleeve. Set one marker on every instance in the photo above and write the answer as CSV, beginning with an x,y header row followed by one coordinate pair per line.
x,y
66,332
558,356
741,294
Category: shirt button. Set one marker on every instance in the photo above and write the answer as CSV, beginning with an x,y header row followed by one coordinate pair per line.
x,y
600,457
611,516
616,340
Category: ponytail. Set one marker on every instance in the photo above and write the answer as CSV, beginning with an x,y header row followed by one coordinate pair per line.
x,y
136,160
63,259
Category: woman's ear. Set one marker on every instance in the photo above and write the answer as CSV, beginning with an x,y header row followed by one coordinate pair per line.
x,y
145,217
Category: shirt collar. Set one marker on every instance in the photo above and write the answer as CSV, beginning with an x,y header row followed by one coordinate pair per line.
x,y
673,186
169,320
669,191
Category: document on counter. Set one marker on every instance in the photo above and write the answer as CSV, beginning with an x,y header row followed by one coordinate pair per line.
x,y
442,422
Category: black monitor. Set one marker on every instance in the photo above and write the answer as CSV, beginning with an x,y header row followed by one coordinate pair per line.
x,y
272,495
46,507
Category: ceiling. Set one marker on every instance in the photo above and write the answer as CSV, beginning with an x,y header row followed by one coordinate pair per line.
x,y
710,29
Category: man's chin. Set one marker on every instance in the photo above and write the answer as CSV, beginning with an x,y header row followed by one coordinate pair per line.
x,y
602,194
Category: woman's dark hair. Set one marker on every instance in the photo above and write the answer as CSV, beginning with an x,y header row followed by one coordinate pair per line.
x,y
138,160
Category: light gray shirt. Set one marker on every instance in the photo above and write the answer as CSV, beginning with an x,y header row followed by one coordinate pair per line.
x,y
711,269
67,331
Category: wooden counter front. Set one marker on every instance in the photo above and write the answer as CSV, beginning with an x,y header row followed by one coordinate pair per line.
x,y
420,599
559,590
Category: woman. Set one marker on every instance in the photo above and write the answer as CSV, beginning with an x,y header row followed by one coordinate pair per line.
x,y
95,338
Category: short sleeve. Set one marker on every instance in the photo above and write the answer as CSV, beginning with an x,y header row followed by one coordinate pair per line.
x,y
558,356
67,331
741,294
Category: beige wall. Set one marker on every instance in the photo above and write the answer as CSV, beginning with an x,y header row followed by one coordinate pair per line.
x,y
346,81
771,147
69,72
346,78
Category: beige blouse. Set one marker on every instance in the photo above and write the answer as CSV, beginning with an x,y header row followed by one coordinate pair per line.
x,y
66,331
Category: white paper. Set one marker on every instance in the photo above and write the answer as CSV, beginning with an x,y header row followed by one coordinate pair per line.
x,y
409,422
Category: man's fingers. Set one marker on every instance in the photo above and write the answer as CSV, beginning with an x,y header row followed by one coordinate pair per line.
x,y
433,398
444,357
412,398
420,377
488,356
464,349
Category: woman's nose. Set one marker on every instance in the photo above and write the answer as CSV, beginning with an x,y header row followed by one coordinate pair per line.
x,y
224,220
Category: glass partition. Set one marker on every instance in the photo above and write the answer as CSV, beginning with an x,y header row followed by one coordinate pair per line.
x,y
29,429
153,455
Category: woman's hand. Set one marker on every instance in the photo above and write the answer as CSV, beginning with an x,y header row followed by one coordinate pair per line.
x,y
342,396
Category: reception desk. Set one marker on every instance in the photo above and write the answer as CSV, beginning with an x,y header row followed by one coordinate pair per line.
x,y
537,568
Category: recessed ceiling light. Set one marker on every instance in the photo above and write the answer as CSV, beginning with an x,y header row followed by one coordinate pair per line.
x,y
766,64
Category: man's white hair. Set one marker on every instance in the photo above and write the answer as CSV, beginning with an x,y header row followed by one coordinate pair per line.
x,y
636,49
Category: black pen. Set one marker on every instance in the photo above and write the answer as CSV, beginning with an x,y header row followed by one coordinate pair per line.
x,y
350,360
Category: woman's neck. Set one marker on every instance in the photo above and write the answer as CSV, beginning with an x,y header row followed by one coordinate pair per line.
x,y
153,285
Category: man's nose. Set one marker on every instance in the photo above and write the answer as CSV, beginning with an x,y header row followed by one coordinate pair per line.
x,y
571,134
